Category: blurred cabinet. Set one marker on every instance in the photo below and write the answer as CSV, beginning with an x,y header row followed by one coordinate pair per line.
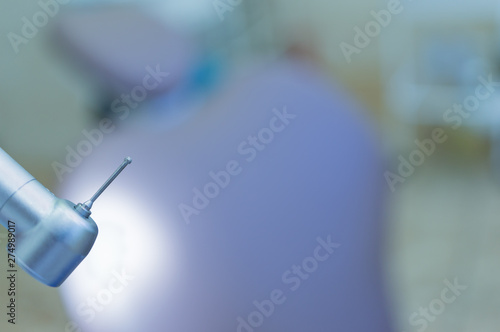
x,y
442,49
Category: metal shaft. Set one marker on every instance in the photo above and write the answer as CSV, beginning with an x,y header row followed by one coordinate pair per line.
x,y
84,209
125,163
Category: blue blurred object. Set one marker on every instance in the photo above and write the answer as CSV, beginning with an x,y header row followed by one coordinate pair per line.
x,y
228,223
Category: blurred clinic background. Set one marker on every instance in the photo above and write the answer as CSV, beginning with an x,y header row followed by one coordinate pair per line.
x,y
412,83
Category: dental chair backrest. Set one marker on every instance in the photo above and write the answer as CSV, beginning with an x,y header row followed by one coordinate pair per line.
x,y
120,45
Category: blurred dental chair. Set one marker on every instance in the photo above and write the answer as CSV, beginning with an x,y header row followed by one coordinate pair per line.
x,y
318,177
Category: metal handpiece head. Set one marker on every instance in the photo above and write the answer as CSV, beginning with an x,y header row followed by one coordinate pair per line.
x,y
52,235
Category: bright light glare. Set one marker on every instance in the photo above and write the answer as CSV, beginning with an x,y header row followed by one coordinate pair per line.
x,y
130,239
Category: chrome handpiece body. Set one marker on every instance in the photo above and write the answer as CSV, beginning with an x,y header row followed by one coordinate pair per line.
x,y
51,236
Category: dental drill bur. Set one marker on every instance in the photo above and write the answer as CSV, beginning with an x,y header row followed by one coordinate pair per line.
x,y
84,209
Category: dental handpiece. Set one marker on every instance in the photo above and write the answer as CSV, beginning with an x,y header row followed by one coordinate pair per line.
x,y
52,235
